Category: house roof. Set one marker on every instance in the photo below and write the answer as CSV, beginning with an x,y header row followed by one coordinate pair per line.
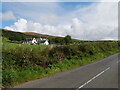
x,y
42,41
28,39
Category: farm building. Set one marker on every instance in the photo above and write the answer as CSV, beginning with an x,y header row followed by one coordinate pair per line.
x,y
29,41
41,41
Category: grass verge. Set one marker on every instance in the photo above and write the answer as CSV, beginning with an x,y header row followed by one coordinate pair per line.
x,y
12,77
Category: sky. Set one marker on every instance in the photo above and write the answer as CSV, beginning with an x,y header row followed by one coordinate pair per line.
x,y
80,20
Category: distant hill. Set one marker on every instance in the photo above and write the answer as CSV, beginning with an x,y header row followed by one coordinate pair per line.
x,y
32,34
15,36
39,35
18,36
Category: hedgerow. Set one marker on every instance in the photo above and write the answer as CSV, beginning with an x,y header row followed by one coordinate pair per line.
x,y
24,64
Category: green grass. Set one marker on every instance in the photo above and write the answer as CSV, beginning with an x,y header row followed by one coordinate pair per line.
x,y
40,72
7,44
22,63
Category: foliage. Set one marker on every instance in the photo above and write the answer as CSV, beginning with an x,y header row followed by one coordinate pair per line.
x,y
67,39
60,40
22,63
15,36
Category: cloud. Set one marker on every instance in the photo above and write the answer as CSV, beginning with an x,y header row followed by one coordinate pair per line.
x,y
100,20
49,18
20,26
97,21
8,16
42,12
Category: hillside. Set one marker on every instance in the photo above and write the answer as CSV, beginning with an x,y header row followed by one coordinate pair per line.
x,y
30,34
18,36
22,62
15,36
39,35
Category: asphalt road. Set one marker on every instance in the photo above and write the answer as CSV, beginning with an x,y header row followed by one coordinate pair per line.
x,y
100,74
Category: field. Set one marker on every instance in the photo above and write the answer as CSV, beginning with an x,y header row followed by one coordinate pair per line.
x,y
22,63
7,44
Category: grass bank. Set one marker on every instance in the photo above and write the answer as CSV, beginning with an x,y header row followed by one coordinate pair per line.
x,y
22,65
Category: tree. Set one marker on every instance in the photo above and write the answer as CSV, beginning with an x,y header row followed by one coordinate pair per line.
x,y
59,40
67,39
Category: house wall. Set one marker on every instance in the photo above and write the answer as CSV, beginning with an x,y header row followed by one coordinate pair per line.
x,y
46,43
34,41
27,42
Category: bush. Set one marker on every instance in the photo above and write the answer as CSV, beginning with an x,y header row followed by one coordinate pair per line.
x,y
8,76
27,62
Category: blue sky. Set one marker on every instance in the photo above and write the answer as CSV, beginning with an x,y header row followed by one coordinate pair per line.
x,y
81,20
18,8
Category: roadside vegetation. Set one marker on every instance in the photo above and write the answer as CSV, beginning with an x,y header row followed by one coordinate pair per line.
x,y
22,63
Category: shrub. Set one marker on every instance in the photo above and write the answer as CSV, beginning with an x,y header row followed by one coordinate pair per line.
x,y
8,76
28,62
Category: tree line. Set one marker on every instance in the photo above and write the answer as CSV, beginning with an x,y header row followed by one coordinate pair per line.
x,y
17,36
60,40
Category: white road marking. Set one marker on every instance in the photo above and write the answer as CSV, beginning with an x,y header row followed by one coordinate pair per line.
x,y
93,78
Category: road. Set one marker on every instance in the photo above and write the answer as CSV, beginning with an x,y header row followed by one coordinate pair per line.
x,y
100,74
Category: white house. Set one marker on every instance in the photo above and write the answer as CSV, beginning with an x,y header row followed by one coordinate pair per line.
x,y
34,41
29,41
41,41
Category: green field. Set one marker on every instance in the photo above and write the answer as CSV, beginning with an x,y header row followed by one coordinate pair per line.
x,y
22,62
7,44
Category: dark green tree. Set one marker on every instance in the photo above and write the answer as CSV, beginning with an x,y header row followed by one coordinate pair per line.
x,y
59,40
67,39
